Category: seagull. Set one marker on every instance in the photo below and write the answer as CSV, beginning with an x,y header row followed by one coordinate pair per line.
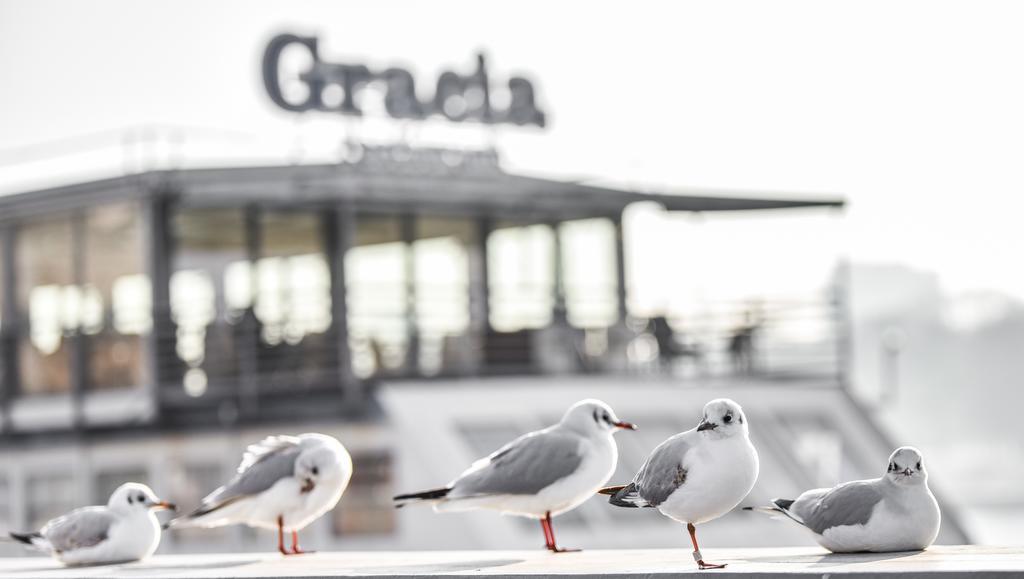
x,y
698,475
283,483
124,530
538,475
896,512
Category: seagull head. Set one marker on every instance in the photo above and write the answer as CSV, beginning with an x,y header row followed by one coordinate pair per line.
x,y
592,416
906,466
723,418
136,498
316,465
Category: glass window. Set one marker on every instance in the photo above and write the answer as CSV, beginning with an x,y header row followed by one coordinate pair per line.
x,y
441,257
107,482
376,275
589,272
210,293
114,272
53,304
521,276
366,507
49,496
293,295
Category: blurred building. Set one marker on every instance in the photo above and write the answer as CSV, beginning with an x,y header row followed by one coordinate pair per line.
x,y
413,302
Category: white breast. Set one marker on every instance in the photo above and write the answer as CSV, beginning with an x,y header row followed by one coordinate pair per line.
x,y
719,474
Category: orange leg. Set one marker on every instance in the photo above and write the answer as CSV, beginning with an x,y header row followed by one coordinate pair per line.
x,y
696,550
296,549
547,534
553,547
280,536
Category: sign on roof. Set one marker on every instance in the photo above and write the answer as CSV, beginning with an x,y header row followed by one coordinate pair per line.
x,y
456,97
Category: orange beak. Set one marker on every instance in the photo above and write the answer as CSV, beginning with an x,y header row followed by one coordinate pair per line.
x,y
166,505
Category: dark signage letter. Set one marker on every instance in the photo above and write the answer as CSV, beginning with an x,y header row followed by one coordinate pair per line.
x,y
271,77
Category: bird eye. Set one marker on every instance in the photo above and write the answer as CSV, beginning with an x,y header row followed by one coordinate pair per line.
x,y
727,419
129,499
918,467
315,470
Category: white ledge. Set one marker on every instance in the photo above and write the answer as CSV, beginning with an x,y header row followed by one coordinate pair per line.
x,y
975,562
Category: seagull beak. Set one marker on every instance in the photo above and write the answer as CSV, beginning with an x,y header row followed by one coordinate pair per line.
x,y
907,471
624,425
165,505
705,425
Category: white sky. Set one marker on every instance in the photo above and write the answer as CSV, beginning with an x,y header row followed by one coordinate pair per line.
x,y
911,110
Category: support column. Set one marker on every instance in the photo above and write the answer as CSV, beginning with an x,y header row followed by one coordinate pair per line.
x,y
161,337
78,343
8,327
340,237
412,352
479,291
249,339
620,268
559,309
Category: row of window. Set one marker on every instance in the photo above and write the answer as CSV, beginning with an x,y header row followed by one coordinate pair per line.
x,y
254,287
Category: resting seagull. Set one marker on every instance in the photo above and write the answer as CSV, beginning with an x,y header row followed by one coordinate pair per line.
x,y
896,512
538,475
698,475
283,483
124,530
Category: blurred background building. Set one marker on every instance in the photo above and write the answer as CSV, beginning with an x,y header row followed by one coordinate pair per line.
x,y
385,273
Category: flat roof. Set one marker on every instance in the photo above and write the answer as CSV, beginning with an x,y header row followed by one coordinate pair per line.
x,y
386,180
937,561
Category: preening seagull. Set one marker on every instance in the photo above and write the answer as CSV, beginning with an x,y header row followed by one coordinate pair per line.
x,y
124,530
896,512
698,475
283,483
538,475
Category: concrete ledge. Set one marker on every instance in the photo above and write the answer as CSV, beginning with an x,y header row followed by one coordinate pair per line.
x,y
944,561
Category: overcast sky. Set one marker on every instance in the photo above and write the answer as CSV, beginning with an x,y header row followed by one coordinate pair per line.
x,y
911,110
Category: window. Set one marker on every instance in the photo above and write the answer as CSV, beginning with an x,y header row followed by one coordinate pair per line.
x,y
49,496
107,482
210,293
366,507
589,272
441,276
54,305
522,283
293,296
377,276
114,272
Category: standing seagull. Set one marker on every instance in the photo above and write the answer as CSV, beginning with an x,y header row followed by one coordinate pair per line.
x,y
283,483
896,512
698,475
124,530
541,474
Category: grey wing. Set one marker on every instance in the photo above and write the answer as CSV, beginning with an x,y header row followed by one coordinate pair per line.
x,y
522,467
663,471
258,472
81,528
847,504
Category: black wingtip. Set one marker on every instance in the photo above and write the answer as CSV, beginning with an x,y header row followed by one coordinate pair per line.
x,y
783,503
423,496
748,508
25,537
